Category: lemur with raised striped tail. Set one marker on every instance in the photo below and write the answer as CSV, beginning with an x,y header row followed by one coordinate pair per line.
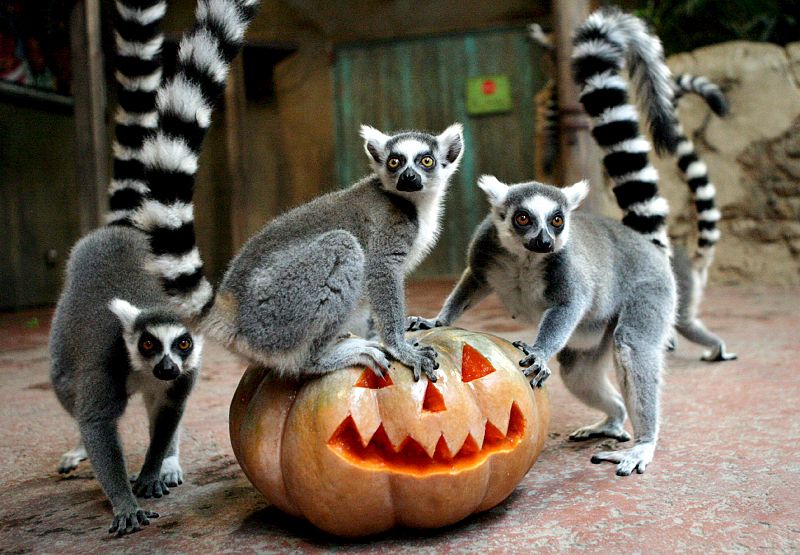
x,y
596,287
113,331
691,271
295,288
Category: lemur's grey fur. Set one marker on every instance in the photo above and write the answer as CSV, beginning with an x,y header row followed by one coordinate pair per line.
x,y
595,287
99,360
295,287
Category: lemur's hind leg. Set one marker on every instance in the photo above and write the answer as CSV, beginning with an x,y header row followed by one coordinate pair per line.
x,y
585,375
639,337
70,460
301,303
695,331
351,351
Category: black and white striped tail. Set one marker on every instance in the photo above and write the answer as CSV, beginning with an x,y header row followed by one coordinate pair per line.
x,y
704,87
138,40
695,173
604,45
185,103
694,170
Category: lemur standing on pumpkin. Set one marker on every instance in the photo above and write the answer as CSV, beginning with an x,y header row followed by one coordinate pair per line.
x,y
691,271
104,348
297,286
596,286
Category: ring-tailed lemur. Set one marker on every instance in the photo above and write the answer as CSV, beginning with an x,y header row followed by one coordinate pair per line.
x,y
103,348
295,287
691,272
595,286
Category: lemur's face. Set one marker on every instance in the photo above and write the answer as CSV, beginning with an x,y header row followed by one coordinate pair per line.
x,y
411,162
157,341
532,217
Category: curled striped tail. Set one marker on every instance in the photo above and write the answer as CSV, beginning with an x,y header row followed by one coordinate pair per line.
x,y
704,87
138,40
695,171
185,103
603,45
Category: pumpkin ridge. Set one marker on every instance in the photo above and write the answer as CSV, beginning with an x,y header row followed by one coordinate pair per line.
x,y
282,452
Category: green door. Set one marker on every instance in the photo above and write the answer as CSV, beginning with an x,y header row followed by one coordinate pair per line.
x,y
422,84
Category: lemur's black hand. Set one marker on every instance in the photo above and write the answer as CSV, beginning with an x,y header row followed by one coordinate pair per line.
x,y
414,323
534,364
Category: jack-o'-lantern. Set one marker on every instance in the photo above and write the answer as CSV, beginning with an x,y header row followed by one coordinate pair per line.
x,y
357,454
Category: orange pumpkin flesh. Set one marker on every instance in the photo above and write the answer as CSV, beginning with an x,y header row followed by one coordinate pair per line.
x,y
357,454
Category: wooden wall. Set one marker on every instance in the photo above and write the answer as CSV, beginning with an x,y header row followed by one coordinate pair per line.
x,y
39,207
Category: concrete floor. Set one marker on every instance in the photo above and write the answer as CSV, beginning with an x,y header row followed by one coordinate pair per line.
x,y
726,477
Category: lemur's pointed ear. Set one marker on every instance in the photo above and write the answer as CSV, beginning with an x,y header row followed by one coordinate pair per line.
x,y
451,143
125,311
374,142
576,193
495,190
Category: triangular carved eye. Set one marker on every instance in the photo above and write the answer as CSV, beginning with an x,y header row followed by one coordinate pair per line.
x,y
473,364
434,400
370,380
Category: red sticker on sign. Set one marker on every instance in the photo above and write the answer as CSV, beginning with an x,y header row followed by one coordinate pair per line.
x,y
489,87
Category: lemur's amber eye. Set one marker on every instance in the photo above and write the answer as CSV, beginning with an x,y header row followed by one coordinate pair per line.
x,y
393,163
522,219
147,345
427,162
557,221
184,344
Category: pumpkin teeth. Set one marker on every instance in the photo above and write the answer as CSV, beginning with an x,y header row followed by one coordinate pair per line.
x,y
409,456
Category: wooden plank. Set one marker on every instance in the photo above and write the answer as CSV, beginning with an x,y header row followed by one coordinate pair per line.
x,y
92,154
235,107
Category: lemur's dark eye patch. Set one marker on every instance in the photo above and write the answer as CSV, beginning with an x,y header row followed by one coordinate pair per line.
x,y
183,343
394,162
149,345
522,219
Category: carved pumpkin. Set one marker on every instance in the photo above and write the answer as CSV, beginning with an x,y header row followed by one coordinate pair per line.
x,y
356,454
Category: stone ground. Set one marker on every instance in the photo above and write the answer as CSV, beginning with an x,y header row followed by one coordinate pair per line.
x,y
725,477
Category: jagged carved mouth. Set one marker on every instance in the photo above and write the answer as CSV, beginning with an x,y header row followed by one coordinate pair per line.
x,y
411,458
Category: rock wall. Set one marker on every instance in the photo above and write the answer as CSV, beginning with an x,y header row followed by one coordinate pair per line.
x,y
753,158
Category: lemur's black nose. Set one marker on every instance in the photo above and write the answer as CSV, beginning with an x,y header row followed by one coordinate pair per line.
x,y
166,369
409,181
541,243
